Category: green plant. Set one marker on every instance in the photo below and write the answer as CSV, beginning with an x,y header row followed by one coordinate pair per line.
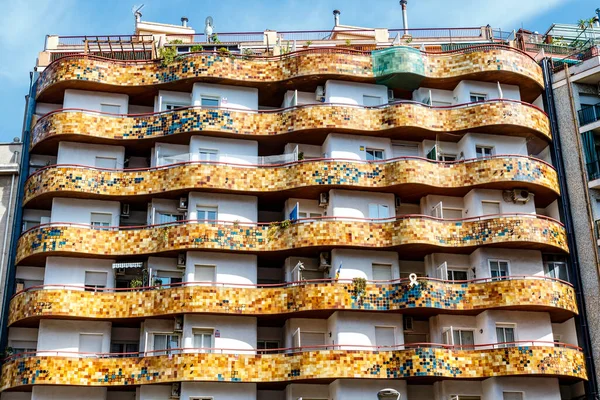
x,y
360,288
215,39
300,156
135,283
308,43
223,51
168,54
247,53
285,224
409,39
8,351
157,282
275,227
236,223
348,42
196,47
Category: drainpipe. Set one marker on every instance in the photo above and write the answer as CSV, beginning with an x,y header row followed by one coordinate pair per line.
x,y
404,16
581,324
7,224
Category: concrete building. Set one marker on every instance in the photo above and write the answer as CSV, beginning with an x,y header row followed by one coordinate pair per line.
x,y
350,217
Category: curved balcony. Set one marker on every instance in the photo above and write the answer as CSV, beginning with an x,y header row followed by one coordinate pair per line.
x,y
526,293
406,120
416,233
401,67
405,176
298,364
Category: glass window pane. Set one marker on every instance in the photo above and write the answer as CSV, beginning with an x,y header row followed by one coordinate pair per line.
x,y
209,102
160,342
467,338
373,210
383,211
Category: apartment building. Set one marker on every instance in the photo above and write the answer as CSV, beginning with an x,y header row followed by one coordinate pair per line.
x,y
350,218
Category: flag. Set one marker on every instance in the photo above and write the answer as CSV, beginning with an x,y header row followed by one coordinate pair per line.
x,y
337,273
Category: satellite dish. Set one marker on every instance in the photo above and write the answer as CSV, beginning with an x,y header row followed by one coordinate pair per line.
x,y
136,10
209,21
208,29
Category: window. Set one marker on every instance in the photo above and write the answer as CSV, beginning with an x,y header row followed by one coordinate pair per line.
x,y
385,336
452,213
459,337
166,342
208,154
95,280
207,214
458,275
205,273
557,270
484,151
23,346
464,397
168,277
378,211
165,218
132,348
309,215
512,396
505,334
475,97
206,101
90,343
498,269
490,207
374,155
382,272
106,162
173,106
23,284
28,224
100,220
110,108
371,101
267,344
203,340
446,157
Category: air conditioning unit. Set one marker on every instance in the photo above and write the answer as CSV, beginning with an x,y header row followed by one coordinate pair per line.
x,y
125,210
390,95
521,195
178,325
324,260
408,324
120,271
181,260
320,94
175,390
324,199
397,201
183,204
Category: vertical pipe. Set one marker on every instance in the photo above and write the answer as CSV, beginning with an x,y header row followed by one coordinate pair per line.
x,y
404,16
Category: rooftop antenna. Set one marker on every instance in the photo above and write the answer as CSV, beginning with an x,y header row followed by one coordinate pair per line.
x,y
136,10
209,27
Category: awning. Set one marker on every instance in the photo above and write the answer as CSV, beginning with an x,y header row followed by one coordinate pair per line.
x,y
128,265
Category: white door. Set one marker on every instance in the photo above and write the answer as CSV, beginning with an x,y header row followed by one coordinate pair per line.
x,y
437,210
385,336
442,271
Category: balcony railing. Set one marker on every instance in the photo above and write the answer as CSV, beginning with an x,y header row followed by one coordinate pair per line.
x,y
228,159
119,47
589,114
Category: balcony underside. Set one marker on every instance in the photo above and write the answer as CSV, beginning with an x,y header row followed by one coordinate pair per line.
x,y
306,299
401,67
436,363
310,124
410,178
415,235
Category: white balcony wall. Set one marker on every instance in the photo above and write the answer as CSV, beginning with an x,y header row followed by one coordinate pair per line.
x,y
89,100
71,271
307,150
520,262
453,261
462,91
63,335
501,144
45,108
218,390
531,387
230,208
16,334
304,205
341,92
230,332
359,263
347,203
363,389
158,206
430,201
168,97
229,268
153,392
302,98
305,325
354,147
49,392
443,148
445,389
239,97
80,211
565,332
435,97
439,323
92,155
161,150
235,151
295,391
474,208
528,326
30,273
357,331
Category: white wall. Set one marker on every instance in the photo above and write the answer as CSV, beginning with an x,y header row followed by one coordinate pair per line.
x,y
294,391
520,262
181,99
230,207
308,150
351,203
305,325
154,392
446,388
165,150
430,201
566,331
462,92
532,388
304,205
363,389
51,392
161,206
239,97
86,153
342,92
501,144
358,329
80,211
359,263
63,335
354,147
30,273
24,334
15,396
151,326
71,271
229,268
45,108
92,100
230,150
473,199
529,326
439,97
236,332
303,98
218,390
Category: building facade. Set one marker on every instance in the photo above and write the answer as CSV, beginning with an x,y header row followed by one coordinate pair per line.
x,y
304,222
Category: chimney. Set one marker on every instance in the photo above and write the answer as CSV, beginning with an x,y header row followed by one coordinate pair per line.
x,y
336,17
404,16
184,21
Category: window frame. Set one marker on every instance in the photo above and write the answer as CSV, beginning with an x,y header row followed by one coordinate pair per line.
x,y
442,157
453,269
204,331
394,331
88,334
209,152
209,97
506,325
491,202
547,271
110,105
105,158
379,264
98,226
166,351
491,260
207,209
379,208
484,96
373,150
484,148
214,268
91,287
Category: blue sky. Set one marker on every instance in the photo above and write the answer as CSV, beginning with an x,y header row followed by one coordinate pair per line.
x,y
25,23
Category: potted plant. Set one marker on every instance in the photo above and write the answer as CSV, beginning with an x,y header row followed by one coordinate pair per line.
x,y
136,283
360,288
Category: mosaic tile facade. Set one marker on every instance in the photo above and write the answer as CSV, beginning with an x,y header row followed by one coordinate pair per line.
x,y
424,231
510,170
333,62
518,293
507,115
326,364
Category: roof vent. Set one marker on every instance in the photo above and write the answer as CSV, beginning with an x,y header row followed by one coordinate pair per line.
x,y
336,17
184,21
